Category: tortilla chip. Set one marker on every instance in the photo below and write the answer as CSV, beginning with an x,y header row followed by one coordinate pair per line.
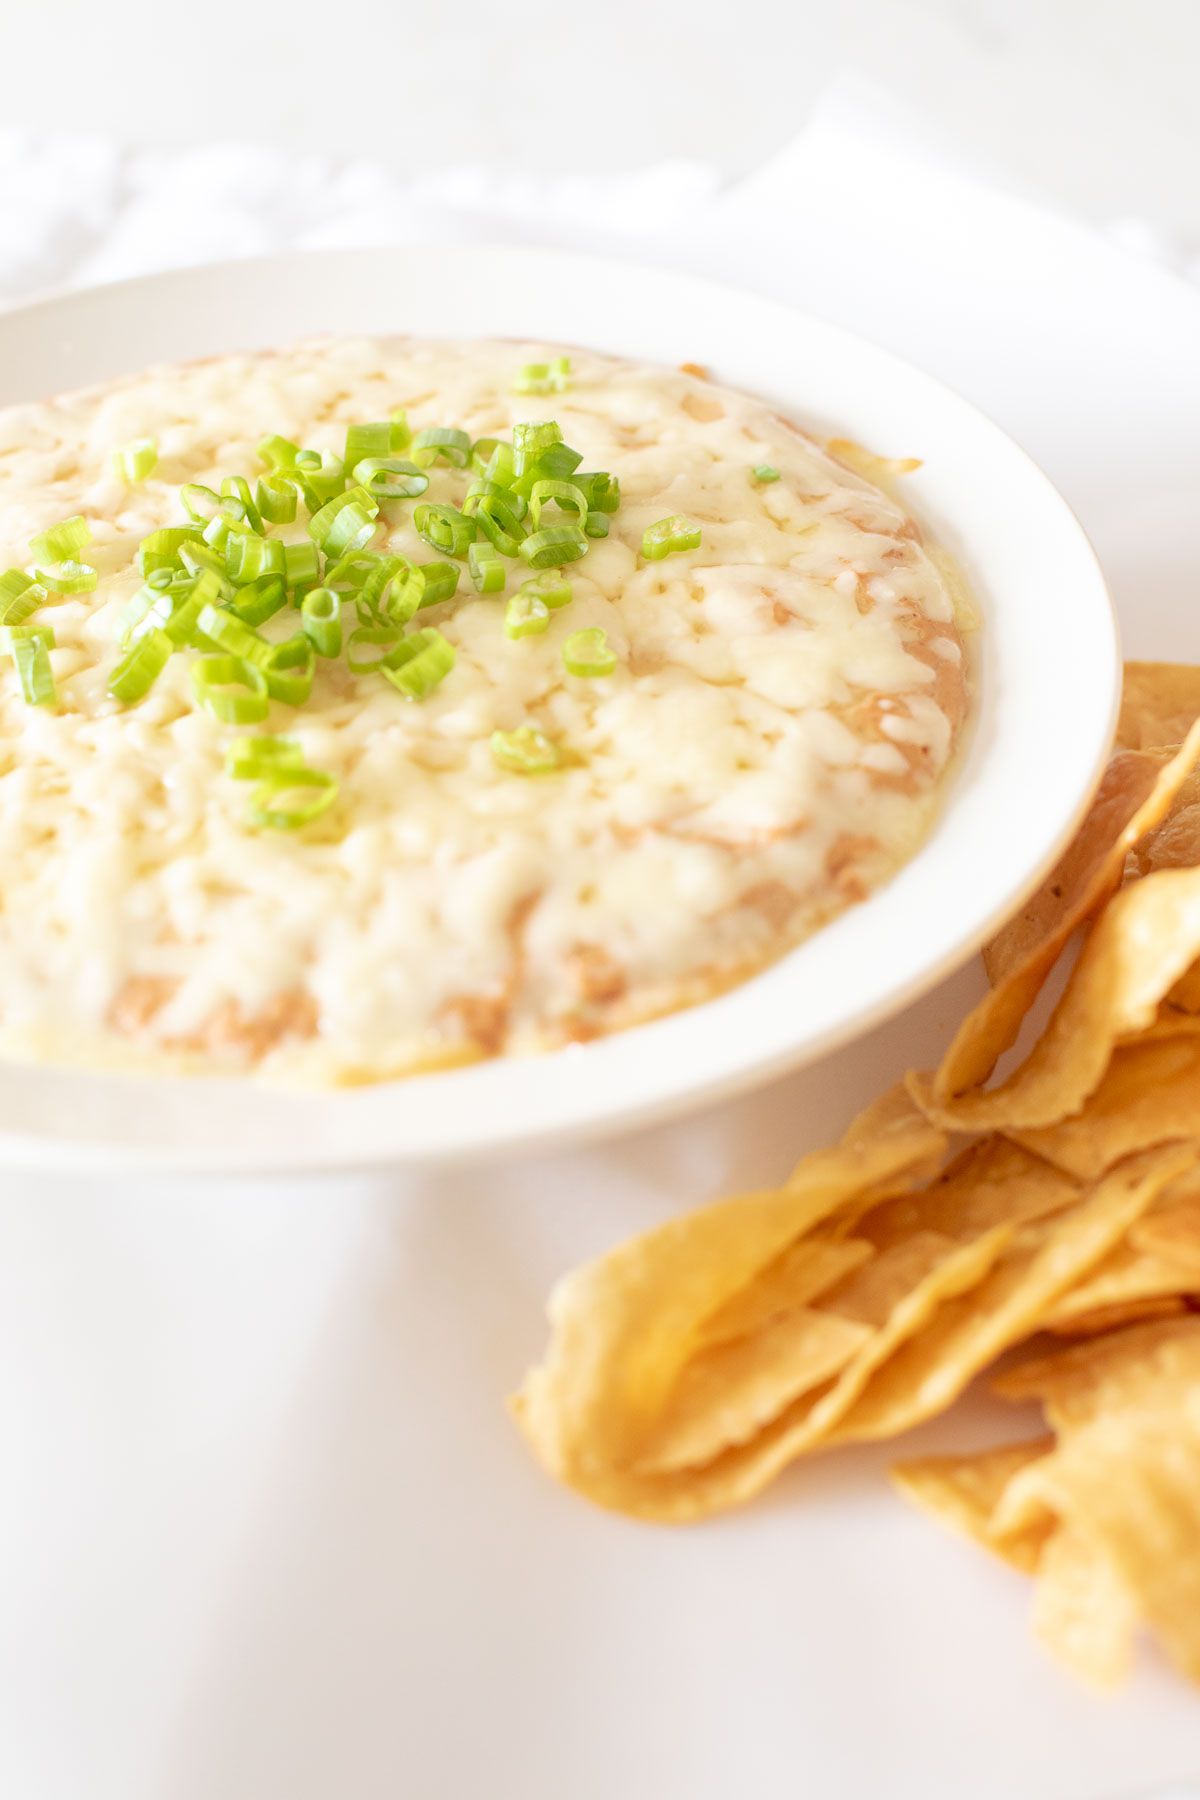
x,y
1150,1094
1126,785
963,1492
1172,1232
625,1327
1103,1319
992,1027
1124,1370
966,1334
1186,992
802,1273
1143,941
1160,702
1126,1277
1083,1612
993,1182
729,1393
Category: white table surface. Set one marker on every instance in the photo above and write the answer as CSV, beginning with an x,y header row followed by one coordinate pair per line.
x,y
265,1529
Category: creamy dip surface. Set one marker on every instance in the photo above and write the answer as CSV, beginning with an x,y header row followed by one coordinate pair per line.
x,y
769,748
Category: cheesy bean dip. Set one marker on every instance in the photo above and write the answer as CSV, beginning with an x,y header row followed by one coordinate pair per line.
x,y
380,705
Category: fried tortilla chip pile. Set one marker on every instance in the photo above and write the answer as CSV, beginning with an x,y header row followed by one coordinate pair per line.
x,y
961,1216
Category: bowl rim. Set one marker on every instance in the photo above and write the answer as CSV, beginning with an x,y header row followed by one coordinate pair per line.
x,y
668,1066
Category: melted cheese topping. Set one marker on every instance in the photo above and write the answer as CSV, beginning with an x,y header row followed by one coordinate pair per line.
x,y
769,749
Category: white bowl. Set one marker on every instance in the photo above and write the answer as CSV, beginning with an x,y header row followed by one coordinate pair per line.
x,y
1049,675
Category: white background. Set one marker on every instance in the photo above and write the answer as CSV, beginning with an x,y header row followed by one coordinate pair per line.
x,y
1093,101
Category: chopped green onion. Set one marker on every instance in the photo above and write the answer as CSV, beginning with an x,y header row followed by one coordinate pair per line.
x,y
369,637
587,653
497,518
260,601
390,477
446,441
765,472
69,577
133,462
226,524
439,581
275,499
161,550
345,523
266,809
199,502
252,758
487,569
236,487
483,488
351,573
482,451
595,525
20,596
389,595
198,558
61,543
556,544
213,679
11,635
140,667
501,464
553,590
526,751
543,378
563,494
321,475
444,528
278,452
175,611
233,635
249,558
555,463
34,672
301,565
419,663
669,536
531,441
289,669
401,430
526,615
382,438
321,616
602,489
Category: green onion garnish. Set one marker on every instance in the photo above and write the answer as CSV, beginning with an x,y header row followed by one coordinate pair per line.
x,y
260,601
602,489
669,536
161,550
501,466
199,502
20,596
543,378
68,577
253,758
563,494
249,558
289,668
276,499
34,672
345,523
553,590
419,663
390,477
532,440
526,751
765,472
526,615
301,565
11,635
140,667
383,438
486,569
439,581
267,808
587,653
278,452
452,445
231,688
235,488
555,545
366,638
497,517
61,543
444,528
595,525
133,462
321,615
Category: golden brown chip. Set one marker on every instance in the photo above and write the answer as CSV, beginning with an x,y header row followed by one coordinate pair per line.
x,y
992,1182
1083,1612
730,1392
1103,1319
1124,1370
1127,1277
802,1273
625,1327
1172,1231
963,1492
966,1334
992,1027
1150,1094
1160,702
1143,941
1087,866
